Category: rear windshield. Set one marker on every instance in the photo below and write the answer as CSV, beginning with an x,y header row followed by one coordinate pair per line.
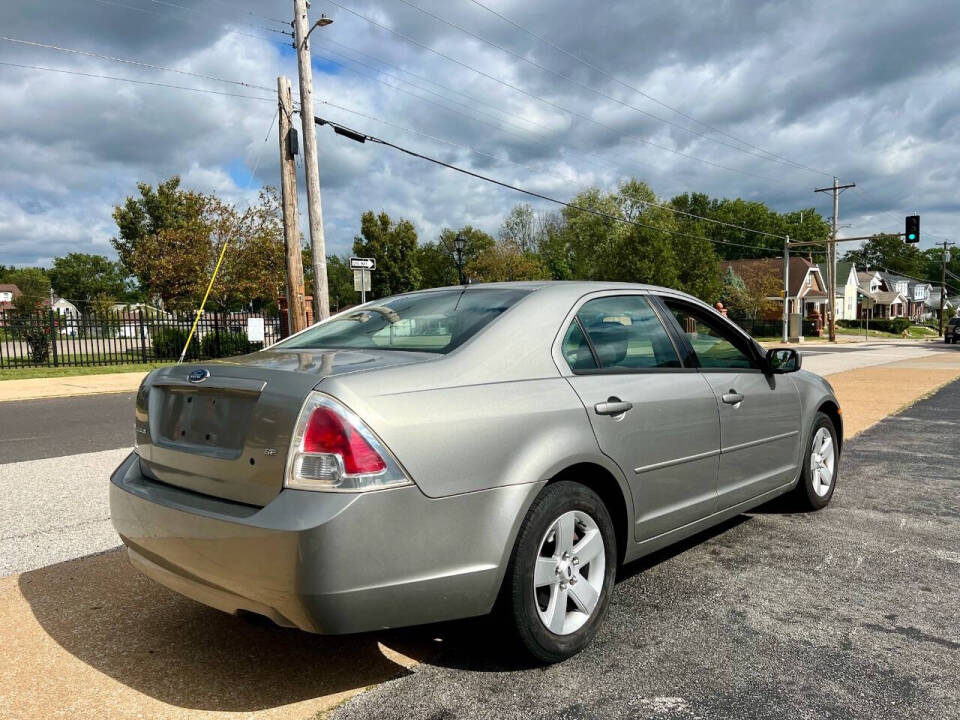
x,y
436,322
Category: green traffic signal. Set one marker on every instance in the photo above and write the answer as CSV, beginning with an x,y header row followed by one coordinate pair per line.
x,y
912,229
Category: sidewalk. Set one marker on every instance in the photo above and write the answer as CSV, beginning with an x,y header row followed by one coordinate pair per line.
x,y
70,386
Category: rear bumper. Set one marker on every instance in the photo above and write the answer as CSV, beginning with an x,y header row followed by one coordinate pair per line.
x,y
324,562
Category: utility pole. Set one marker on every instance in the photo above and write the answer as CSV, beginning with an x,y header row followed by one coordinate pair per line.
x,y
296,310
943,284
786,288
836,189
321,294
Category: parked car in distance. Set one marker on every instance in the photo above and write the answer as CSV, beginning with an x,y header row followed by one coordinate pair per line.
x,y
433,455
951,331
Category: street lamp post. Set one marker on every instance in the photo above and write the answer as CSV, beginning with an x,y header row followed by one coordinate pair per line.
x,y
459,244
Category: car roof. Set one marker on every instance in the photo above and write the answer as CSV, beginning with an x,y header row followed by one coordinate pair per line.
x,y
532,285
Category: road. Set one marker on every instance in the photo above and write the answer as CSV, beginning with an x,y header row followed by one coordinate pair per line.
x,y
847,613
55,457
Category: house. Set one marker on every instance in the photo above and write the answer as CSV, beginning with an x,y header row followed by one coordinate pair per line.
x,y
879,300
65,308
933,304
915,293
8,292
807,292
846,289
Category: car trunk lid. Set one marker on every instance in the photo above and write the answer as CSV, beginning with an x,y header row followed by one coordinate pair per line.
x,y
223,428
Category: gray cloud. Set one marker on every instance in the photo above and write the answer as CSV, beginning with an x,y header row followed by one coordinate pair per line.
x,y
867,91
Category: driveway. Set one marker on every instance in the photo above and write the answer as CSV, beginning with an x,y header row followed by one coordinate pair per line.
x,y
847,613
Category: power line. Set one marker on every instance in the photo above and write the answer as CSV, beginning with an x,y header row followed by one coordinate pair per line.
x,y
251,13
899,218
601,93
642,93
452,143
138,82
132,62
179,18
165,3
363,137
533,96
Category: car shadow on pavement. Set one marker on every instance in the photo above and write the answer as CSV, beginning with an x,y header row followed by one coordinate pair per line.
x,y
175,650
484,645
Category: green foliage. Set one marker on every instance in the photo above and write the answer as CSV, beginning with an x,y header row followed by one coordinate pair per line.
x,y
394,245
437,260
893,325
800,225
889,252
168,342
223,344
80,277
34,286
340,283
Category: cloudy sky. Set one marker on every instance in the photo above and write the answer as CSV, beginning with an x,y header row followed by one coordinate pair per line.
x,y
724,97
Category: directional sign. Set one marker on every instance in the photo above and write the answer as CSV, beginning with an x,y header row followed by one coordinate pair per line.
x,y
358,263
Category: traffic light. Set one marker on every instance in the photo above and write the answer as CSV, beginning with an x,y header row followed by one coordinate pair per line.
x,y
912,231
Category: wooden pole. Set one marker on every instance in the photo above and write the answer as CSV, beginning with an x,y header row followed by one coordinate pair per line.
x,y
321,294
296,312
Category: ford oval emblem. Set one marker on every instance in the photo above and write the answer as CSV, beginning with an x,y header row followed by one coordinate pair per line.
x,y
198,376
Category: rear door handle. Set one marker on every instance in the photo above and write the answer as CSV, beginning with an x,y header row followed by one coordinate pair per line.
x,y
613,406
732,397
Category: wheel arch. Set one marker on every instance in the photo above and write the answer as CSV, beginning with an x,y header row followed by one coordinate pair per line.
x,y
605,484
832,411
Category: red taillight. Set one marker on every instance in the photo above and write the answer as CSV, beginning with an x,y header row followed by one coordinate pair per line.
x,y
328,433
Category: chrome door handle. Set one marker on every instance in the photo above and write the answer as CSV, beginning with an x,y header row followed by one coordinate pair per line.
x,y
732,397
613,406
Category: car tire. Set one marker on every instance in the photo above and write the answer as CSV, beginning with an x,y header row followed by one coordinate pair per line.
x,y
567,520
821,467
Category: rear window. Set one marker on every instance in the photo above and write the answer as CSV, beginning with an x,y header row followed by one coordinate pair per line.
x,y
436,322
955,321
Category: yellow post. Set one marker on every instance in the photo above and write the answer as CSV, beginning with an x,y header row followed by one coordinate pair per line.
x,y
204,302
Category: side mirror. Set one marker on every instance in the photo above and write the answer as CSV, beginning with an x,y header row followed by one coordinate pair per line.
x,y
783,360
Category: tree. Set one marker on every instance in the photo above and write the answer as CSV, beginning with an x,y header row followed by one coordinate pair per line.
x,y
889,252
503,262
626,238
437,261
340,282
519,229
733,243
748,293
171,241
79,277
394,245
34,287
154,211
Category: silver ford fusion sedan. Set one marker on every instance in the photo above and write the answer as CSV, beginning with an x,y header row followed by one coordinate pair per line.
x,y
433,455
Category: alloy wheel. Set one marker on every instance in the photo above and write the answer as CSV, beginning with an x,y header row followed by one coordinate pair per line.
x,y
569,573
822,462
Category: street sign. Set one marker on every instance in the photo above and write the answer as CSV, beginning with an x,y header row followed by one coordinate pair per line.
x,y
359,263
362,281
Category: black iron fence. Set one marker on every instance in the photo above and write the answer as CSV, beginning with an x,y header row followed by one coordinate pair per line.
x,y
50,339
761,328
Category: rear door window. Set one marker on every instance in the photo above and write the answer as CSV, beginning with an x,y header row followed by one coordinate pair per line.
x,y
619,333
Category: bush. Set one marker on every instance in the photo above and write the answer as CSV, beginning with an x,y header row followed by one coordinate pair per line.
x,y
168,342
224,344
39,344
895,326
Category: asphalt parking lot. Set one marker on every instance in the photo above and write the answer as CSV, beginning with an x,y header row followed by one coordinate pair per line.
x,y
852,612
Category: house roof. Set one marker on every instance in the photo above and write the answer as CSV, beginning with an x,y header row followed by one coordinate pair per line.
x,y
799,267
885,297
10,288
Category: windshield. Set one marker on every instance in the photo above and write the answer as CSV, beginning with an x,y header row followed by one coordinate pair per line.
x,y
436,322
